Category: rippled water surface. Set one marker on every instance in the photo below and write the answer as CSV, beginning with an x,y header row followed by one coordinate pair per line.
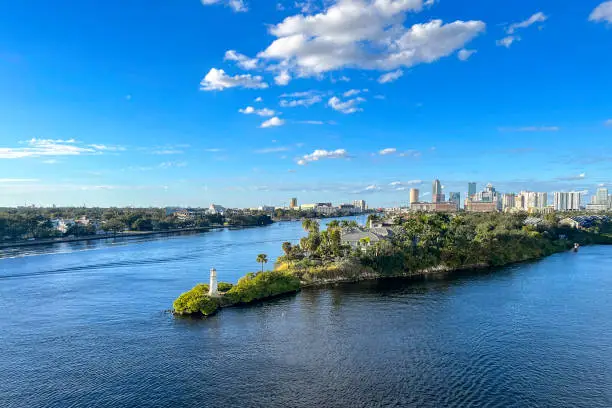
x,y
83,324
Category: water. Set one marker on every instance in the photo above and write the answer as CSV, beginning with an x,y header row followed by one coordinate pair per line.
x,y
84,325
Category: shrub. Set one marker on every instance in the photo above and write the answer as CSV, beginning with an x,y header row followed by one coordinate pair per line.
x,y
196,301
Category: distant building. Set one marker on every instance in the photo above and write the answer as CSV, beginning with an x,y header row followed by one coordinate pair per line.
x,y
481,206
597,207
508,201
215,209
471,189
414,195
444,206
266,208
425,207
360,205
436,192
294,203
567,201
601,197
455,198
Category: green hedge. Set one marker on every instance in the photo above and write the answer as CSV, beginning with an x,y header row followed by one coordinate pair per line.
x,y
195,302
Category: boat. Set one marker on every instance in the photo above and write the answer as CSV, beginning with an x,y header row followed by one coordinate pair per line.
x,y
576,246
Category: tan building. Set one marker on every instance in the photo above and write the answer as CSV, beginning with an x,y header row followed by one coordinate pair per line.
x,y
414,195
481,206
294,203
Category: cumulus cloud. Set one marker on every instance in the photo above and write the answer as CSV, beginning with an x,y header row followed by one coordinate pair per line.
x,y
236,5
353,92
249,110
365,34
538,17
259,99
283,78
602,13
387,151
273,122
507,41
465,55
346,107
243,61
390,76
218,80
322,154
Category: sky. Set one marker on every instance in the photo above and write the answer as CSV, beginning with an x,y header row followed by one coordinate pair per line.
x,y
248,103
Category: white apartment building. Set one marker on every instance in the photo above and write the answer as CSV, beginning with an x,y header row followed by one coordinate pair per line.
x,y
569,201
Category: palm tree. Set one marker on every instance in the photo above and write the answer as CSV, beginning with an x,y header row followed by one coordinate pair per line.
x,y
262,259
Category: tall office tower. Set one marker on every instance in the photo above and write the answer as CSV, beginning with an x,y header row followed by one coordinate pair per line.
x,y
436,192
294,203
601,197
471,189
520,201
508,201
414,195
455,198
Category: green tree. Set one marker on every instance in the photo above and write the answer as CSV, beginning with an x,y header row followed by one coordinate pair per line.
x,y
262,259
287,249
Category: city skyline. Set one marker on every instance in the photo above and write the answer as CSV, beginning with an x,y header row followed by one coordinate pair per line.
x,y
101,109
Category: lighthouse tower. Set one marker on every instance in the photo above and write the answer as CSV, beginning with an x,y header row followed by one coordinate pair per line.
x,y
213,291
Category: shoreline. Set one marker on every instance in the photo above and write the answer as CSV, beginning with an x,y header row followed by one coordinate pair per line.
x,y
130,234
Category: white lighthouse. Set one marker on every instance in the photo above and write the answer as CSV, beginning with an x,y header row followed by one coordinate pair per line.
x,y
213,291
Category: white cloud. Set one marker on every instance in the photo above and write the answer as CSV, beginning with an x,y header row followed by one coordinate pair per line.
x,y
17,180
465,55
249,110
236,5
259,99
218,80
348,106
387,151
321,154
353,92
282,79
538,17
365,34
273,122
168,151
47,147
168,165
306,99
311,122
507,41
603,12
411,153
272,150
108,148
243,61
390,76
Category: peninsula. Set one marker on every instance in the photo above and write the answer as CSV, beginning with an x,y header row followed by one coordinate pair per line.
x,y
408,245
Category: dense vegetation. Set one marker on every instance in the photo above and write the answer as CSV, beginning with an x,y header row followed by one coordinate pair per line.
x,y
26,223
249,288
418,243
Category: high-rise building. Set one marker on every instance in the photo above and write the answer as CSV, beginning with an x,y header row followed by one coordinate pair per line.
x,y
436,192
567,201
520,202
508,201
542,200
471,189
294,203
601,197
414,195
455,198
360,205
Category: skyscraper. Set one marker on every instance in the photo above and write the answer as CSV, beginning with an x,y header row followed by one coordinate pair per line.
x,y
360,205
471,189
455,198
567,201
508,201
414,195
294,203
602,196
436,192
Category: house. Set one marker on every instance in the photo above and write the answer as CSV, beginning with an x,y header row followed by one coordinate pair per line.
x,y
361,238
215,209
533,221
62,225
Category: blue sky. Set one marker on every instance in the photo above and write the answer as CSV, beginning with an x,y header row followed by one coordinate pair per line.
x,y
156,103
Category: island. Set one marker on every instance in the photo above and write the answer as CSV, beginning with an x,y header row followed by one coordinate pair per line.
x,y
408,245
